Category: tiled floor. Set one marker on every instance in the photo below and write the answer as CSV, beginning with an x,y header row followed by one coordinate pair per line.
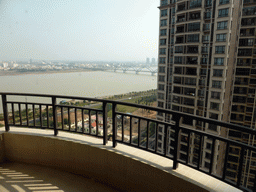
x,y
162,163
23,178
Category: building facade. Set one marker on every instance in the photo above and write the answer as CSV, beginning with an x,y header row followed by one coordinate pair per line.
x,y
207,67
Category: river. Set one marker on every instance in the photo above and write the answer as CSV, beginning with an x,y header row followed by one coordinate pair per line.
x,y
86,84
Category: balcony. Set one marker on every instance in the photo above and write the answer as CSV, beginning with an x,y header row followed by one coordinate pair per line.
x,y
108,152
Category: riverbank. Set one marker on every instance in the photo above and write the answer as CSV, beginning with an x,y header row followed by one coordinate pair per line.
x,y
18,73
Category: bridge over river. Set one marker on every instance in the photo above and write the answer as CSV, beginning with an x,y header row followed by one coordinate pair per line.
x,y
142,69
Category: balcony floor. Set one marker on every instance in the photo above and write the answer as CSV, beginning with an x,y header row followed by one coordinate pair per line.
x,y
24,177
71,182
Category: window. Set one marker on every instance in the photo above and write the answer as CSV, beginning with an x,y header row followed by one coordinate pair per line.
x,y
203,72
202,81
214,116
244,52
206,38
246,42
162,41
249,10
193,38
207,15
181,7
180,29
200,103
201,92
163,12
178,49
179,39
163,32
217,72
190,81
215,95
192,49
173,20
248,21
192,60
160,96
162,51
161,87
204,60
162,60
206,27
223,12
215,106
191,71
222,25
164,2
216,84
195,3
204,49
208,3
194,26
177,80
161,69
173,10
178,70
172,40
163,22
218,61
212,127
161,78
220,49
221,37
209,146
222,2
178,60
160,104
193,16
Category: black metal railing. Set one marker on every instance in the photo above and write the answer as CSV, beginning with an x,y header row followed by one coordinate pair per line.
x,y
176,140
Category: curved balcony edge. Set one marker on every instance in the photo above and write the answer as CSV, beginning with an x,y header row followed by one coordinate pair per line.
x,y
123,168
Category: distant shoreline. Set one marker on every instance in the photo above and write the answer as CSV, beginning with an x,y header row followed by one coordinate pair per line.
x,y
15,73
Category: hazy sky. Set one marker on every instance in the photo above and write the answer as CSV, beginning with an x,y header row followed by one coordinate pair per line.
x,y
122,30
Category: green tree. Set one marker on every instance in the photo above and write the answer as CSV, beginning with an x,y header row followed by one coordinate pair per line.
x,y
65,121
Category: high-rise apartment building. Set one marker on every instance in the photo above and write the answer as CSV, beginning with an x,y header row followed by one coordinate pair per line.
x,y
147,60
153,61
207,67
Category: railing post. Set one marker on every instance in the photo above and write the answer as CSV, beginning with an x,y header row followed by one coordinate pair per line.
x,y
5,110
105,124
165,139
176,118
114,124
55,117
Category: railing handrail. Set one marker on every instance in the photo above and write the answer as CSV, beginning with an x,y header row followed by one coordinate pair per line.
x,y
174,124
169,111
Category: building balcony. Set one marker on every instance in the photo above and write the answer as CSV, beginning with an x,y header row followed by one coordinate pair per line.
x,y
111,150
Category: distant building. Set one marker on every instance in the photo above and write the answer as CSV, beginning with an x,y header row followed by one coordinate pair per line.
x,y
147,61
5,65
153,61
